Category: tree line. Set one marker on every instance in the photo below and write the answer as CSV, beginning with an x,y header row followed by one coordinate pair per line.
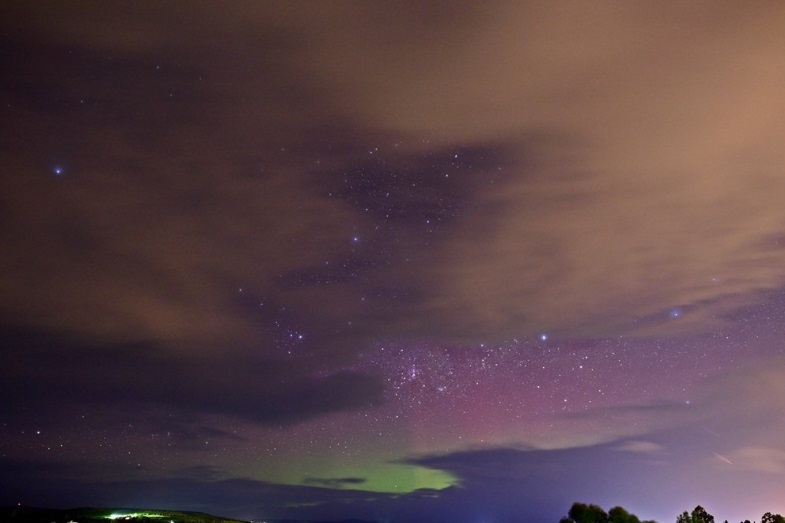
x,y
583,513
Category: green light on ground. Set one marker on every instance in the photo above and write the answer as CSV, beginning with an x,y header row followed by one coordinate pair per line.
x,y
132,515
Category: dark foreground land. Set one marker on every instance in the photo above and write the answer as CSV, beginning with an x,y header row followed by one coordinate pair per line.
x,y
124,515
106,515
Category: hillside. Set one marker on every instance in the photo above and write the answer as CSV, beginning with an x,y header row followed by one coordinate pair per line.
x,y
106,515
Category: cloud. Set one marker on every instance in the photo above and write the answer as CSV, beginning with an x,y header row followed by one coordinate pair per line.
x,y
189,432
201,473
769,460
126,377
188,201
640,173
669,198
505,484
659,186
727,398
334,482
719,408
645,447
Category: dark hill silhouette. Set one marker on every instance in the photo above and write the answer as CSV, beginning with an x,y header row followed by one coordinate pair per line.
x,y
23,514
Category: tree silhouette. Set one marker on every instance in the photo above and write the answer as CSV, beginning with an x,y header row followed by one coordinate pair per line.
x,y
620,515
768,517
699,515
583,513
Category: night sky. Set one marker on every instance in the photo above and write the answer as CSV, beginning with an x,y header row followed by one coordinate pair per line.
x,y
420,262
